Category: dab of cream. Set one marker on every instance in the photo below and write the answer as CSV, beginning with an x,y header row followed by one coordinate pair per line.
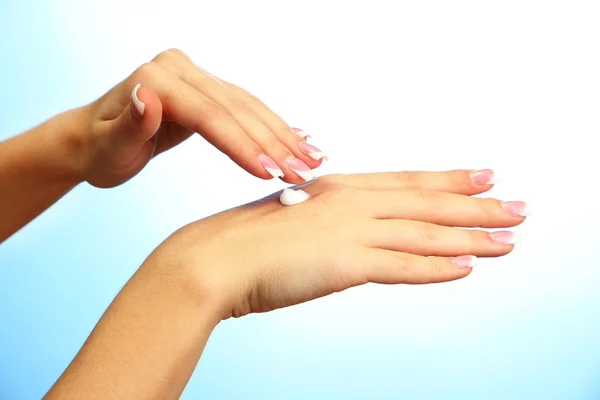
x,y
290,197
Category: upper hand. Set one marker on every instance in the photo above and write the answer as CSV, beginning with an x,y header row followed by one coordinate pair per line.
x,y
384,228
130,125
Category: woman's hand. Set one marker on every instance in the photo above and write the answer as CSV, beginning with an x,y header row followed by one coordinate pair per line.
x,y
386,228
168,99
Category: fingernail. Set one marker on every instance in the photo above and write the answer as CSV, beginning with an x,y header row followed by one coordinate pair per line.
x,y
300,168
270,166
505,237
482,177
464,261
516,208
312,151
301,133
139,106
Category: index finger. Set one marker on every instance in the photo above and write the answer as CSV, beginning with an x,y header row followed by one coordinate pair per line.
x,y
466,182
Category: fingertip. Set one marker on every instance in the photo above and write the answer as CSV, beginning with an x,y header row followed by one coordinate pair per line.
x,y
463,265
311,155
482,179
145,98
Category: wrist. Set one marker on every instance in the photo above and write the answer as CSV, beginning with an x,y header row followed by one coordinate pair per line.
x,y
188,286
70,132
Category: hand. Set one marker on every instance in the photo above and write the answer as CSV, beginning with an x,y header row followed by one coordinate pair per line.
x,y
385,228
354,229
131,124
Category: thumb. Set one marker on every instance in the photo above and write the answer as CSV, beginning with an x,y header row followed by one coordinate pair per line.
x,y
140,119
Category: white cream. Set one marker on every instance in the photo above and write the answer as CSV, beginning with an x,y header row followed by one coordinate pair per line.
x,y
290,197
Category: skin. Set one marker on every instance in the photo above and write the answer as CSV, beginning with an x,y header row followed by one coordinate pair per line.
x,y
107,142
389,228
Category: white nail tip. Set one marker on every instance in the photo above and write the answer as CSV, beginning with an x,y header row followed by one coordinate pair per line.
x,y
318,156
527,211
290,197
275,172
306,175
302,134
136,101
474,261
515,239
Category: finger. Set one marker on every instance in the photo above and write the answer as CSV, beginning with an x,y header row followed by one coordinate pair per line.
x,y
391,267
196,113
294,168
440,208
170,135
140,119
308,153
426,239
467,182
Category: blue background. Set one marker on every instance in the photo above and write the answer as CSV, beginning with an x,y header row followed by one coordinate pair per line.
x,y
524,327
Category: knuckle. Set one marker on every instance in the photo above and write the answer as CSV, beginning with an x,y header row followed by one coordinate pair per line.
x,y
272,145
248,98
177,52
437,267
406,178
406,264
489,207
431,198
211,115
170,55
236,106
474,239
428,233
146,71
456,182
283,131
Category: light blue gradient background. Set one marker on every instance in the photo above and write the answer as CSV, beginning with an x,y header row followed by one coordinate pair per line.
x,y
523,327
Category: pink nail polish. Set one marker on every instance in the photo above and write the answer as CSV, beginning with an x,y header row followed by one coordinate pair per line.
x,y
464,261
516,208
312,151
270,166
300,168
301,133
482,177
504,237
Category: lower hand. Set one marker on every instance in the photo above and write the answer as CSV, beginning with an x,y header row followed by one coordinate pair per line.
x,y
385,228
168,99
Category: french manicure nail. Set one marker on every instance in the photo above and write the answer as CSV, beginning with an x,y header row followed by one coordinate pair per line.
x,y
312,151
270,166
301,133
482,177
516,208
139,106
505,237
464,261
300,168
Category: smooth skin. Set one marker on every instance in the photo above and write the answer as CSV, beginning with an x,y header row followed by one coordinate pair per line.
x,y
388,228
109,141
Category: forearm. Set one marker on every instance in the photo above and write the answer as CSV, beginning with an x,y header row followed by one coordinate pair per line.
x,y
147,343
37,168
